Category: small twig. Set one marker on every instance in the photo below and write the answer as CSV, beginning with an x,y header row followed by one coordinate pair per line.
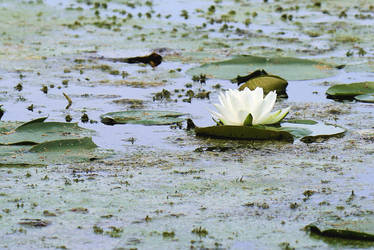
x,y
69,101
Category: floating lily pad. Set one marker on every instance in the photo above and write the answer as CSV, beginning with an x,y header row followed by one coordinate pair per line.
x,y
287,67
308,122
365,98
38,143
349,91
244,133
262,79
306,130
145,117
64,145
268,83
358,229
53,152
38,131
6,127
318,130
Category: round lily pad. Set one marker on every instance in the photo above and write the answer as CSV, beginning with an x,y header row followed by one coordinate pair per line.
x,y
287,67
144,117
365,98
349,91
349,229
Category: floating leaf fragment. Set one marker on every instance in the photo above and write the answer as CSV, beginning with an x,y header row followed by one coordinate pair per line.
x,y
34,222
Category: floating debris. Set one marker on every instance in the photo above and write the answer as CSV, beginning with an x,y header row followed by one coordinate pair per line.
x,y
34,222
153,59
69,101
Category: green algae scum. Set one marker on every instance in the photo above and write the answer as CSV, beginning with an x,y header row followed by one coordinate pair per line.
x,y
96,151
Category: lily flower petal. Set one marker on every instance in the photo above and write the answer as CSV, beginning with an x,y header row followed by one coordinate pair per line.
x,y
265,108
276,116
234,107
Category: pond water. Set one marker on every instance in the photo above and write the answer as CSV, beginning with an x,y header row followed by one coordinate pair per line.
x,y
161,186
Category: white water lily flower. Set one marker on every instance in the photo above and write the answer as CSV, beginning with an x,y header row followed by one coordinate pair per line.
x,y
235,106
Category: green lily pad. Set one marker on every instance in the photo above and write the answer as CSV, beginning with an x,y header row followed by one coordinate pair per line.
x,y
287,67
365,98
318,131
260,78
245,133
348,91
53,152
305,130
6,127
39,143
308,122
268,83
64,145
37,131
144,117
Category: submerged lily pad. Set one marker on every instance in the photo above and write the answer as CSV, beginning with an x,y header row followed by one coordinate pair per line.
x,y
348,91
64,145
287,67
365,98
306,130
145,117
55,152
358,229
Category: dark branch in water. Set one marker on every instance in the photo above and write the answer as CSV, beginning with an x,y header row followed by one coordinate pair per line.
x,y
340,66
1,111
254,74
153,59
190,124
